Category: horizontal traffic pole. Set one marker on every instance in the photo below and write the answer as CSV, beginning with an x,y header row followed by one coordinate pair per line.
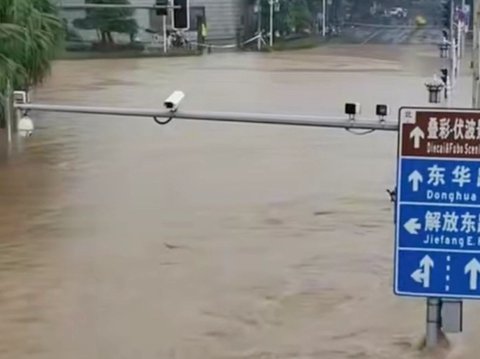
x,y
384,26
113,6
252,118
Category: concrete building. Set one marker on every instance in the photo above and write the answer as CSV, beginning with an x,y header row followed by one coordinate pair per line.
x,y
142,18
223,18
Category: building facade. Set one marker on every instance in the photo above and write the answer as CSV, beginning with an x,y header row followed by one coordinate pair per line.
x,y
224,18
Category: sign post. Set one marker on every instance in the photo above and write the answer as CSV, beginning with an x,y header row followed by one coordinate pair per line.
x,y
437,239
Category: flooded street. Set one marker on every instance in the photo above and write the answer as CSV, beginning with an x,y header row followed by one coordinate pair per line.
x,y
123,239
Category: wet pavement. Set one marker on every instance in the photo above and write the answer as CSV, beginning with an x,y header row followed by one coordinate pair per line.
x,y
124,239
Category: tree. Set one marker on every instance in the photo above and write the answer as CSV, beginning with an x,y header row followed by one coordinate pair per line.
x,y
108,21
293,16
300,15
30,33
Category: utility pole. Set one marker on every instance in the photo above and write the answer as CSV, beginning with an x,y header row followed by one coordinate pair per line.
x,y
476,54
259,23
453,44
271,23
274,6
463,28
8,112
324,18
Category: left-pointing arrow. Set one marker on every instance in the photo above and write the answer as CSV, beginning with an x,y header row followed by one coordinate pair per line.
x,y
417,276
412,226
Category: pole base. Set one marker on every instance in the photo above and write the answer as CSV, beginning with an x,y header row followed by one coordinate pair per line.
x,y
443,343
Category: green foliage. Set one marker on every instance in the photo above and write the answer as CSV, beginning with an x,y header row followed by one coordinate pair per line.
x,y
300,15
108,21
293,16
30,32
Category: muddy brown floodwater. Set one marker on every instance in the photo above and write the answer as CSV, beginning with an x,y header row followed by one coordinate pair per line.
x,y
120,239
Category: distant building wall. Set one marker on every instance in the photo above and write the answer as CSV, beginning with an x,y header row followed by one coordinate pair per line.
x,y
224,18
141,16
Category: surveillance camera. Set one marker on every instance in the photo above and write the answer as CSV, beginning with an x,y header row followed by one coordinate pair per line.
x,y
20,97
173,101
25,126
382,110
352,109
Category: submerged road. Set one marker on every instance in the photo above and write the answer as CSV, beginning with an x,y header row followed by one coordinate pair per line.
x,y
122,239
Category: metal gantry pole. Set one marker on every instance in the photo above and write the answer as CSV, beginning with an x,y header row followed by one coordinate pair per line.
x,y
252,118
114,6
435,329
433,323
433,305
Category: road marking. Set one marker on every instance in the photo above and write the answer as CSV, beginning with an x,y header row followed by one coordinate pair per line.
x,y
375,33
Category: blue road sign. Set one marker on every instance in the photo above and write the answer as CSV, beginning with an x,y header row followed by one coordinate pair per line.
x,y
437,236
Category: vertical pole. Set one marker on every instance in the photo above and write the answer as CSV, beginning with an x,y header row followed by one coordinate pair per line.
x,y
259,14
453,40
463,39
271,23
164,18
476,54
433,312
324,18
8,112
459,43
433,322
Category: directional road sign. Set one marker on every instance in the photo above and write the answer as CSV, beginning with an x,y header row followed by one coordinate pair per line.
x,y
437,236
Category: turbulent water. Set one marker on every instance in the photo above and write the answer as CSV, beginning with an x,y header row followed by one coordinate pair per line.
x,y
123,239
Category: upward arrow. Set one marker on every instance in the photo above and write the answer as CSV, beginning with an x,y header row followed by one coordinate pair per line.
x,y
427,264
473,268
417,135
416,178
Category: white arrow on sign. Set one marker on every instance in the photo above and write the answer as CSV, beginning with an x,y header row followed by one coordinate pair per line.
x,y
473,268
417,276
422,275
415,178
417,135
412,226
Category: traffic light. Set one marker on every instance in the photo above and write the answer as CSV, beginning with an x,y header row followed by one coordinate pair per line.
x,y
444,76
181,16
164,11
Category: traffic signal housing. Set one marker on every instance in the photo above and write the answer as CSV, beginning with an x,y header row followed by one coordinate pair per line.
x,y
181,15
444,76
164,11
